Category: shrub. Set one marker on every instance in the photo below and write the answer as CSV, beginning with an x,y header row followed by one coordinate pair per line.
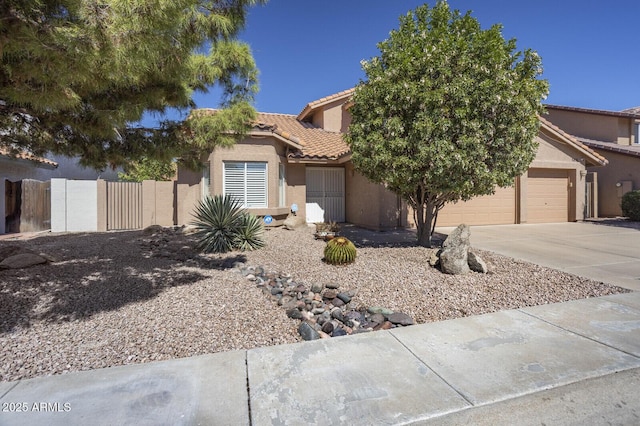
x,y
631,205
250,233
331,226
222,225
340,251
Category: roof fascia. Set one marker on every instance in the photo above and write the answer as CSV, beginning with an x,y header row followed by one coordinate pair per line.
x,y
268,133
620,114
51,165
341,160
312,106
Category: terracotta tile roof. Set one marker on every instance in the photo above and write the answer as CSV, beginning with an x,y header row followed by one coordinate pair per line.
x,y
311,106
625,113
24,155
596,159
632,150
311,142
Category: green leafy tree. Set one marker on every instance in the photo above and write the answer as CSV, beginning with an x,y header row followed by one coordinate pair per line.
x,y
448,111
148,169
75,75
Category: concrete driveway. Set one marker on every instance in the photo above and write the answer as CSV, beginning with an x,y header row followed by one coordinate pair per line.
x,y
605,250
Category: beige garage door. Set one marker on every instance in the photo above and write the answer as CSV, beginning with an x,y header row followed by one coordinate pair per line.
x,y
547,196
496,209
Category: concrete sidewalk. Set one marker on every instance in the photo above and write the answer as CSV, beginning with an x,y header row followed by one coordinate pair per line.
x,y
569,363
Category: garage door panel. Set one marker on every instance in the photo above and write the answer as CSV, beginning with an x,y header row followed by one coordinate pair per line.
x,y
547,196
496,209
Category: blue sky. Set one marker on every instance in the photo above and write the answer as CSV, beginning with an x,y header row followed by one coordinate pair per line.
x,y
306,50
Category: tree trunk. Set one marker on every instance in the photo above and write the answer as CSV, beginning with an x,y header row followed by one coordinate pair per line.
x,y
425,214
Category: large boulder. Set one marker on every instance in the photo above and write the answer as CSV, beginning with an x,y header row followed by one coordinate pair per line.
x,y
22,260
476,263
292,222
454,258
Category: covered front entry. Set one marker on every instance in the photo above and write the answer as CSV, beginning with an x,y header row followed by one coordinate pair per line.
x,y
325,194
496,209
547,197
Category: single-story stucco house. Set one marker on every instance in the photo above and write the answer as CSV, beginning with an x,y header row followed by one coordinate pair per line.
x,y
614,134
23,165
302,160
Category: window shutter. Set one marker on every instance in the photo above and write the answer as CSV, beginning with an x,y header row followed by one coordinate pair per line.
x,y
234,181
246,182
256,179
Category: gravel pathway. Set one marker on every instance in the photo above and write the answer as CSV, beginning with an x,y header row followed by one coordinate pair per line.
x,y
132,297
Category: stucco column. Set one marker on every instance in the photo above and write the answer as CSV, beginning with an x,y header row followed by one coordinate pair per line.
x,y
522,197
148,203
101,188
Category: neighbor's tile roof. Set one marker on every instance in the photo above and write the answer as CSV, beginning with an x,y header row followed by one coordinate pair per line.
x,y
632,150
24,155
596,158
311,142
625,113
635,110
324,101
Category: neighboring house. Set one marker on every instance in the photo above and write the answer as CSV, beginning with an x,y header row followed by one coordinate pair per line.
x,y
303,160
614,134
14,167
23,165
18,167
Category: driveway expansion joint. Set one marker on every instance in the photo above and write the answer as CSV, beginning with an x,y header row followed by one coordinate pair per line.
x,y
575,333
471,404
9,390
246,365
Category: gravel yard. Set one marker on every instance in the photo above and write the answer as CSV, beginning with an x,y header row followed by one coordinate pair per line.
x,y
132,297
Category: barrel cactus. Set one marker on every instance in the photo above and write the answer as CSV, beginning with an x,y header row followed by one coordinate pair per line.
x,y
340,251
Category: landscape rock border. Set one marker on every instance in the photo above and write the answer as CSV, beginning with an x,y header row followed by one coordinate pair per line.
x,y
324,309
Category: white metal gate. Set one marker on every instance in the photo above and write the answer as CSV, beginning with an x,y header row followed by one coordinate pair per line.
x,y
325,194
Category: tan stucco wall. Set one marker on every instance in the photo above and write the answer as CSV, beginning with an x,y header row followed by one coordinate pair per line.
x,y
370,205
621,169
332,117
187,193
297,188
593,126
187,196
263,149
186,176
250,149
157,203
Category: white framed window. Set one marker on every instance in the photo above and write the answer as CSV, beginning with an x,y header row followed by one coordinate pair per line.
x,y
637,135
206,180
282,186
246,182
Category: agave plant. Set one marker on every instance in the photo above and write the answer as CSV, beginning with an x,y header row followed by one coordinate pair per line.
x,y
249,236
223,225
